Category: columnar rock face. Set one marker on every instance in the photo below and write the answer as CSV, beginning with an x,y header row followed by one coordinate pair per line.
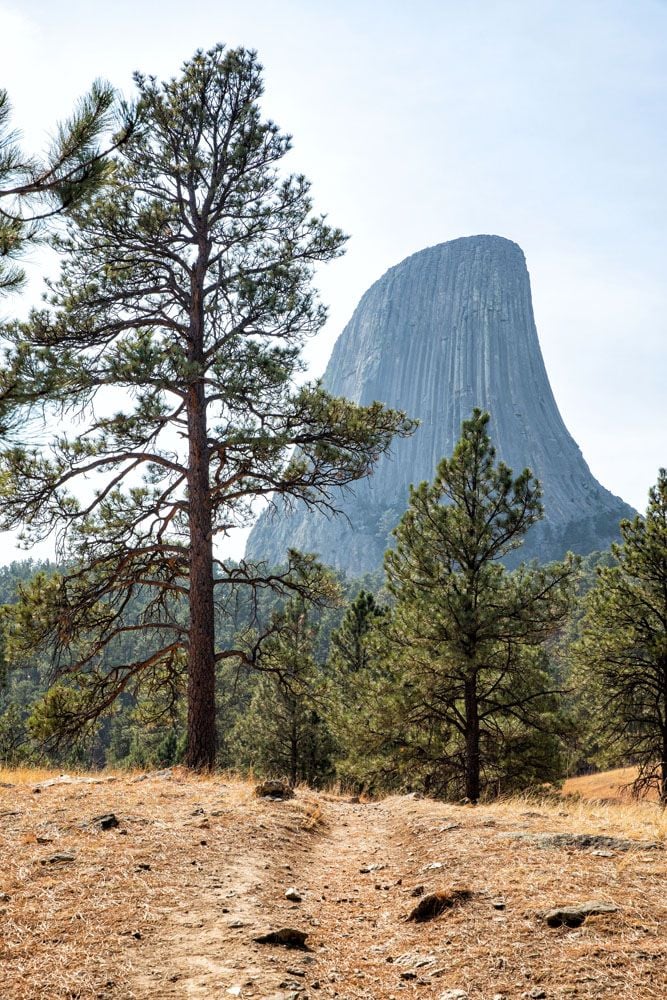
x,y
448,329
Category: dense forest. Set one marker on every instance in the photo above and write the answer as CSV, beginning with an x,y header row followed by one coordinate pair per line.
x,y
360,688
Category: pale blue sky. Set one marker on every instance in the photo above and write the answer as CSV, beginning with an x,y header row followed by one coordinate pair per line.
x,y
420,122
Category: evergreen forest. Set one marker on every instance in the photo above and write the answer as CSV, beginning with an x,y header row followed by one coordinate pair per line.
x,y
157,400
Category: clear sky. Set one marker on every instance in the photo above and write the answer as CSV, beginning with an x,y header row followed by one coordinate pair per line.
x,y
540,120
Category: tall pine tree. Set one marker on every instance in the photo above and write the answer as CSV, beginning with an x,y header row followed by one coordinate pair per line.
x,y
172,342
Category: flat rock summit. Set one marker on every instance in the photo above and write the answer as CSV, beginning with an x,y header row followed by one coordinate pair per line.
x,y
448,329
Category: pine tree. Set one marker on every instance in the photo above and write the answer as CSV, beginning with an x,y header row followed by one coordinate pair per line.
x,y
172,341
468,633
283,733
354,666
349,651
33,190
622,651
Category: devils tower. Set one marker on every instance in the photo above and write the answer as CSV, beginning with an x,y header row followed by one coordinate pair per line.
x,y
448,329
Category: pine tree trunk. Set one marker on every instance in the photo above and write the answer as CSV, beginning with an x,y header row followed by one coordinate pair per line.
x,y
201,653
294,750
662,791
201,650
472,740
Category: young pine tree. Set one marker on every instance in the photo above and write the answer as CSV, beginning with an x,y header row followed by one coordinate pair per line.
x,y
283,733
467,633
354,666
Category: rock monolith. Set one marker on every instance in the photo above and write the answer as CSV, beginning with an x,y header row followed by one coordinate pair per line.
x,y
448,329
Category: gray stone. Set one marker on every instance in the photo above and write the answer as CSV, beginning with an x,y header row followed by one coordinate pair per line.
x,y
293,895
448,329
453,995
415,960
274,790
574,916
586,842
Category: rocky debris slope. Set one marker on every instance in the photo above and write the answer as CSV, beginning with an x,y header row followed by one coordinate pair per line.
x,y
448,329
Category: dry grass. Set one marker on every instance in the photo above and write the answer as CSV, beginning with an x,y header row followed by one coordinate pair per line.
x,y
166,906
614,784
26,775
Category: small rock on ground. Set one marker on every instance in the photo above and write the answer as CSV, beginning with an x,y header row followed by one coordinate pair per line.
x,y
58,859
288,937
274,790
106,822
574,916
435,903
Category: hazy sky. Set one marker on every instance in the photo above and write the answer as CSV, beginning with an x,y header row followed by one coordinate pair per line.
x,y
420,122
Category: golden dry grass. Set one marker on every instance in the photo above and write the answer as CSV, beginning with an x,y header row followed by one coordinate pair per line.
x,y
167,905
614,784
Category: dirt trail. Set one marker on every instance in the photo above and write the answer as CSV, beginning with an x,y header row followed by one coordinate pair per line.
x,y
205,946
357,876
358,870
166,905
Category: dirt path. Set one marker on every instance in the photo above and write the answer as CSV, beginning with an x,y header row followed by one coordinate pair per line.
x,y
166,905
356,876
205,947
358,870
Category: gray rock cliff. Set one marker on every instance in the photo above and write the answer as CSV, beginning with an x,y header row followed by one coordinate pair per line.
x,y
448,329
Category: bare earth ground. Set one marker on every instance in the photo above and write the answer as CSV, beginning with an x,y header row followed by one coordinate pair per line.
x,y
167,904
